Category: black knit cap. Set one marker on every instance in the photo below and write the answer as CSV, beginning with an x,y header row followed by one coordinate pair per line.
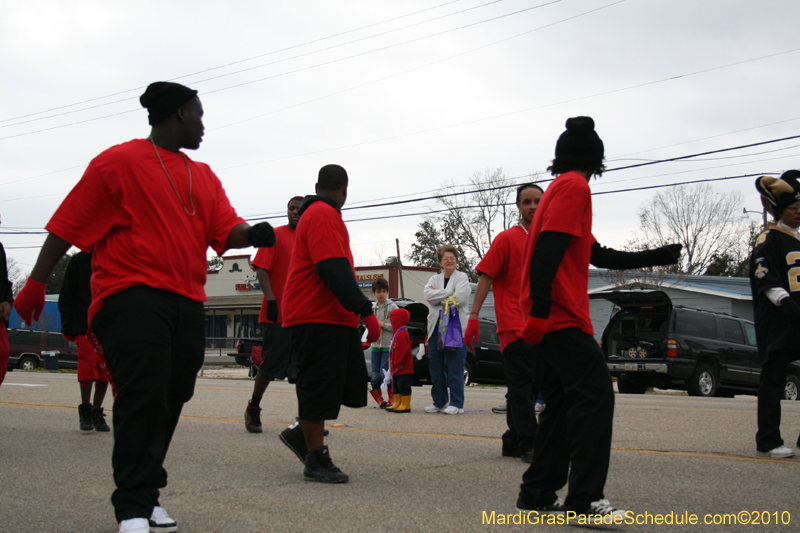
x,y
162,98
779,193
580,146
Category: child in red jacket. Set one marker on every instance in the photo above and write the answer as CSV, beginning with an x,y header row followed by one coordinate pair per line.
x,y
401,362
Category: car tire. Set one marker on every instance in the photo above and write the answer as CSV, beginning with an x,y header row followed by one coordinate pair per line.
x,y
792,391
625,385
704,382
28,362
467,374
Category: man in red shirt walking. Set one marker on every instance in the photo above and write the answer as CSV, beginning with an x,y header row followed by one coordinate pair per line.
x,y
502,269
150,213
322,307
272,267
574,434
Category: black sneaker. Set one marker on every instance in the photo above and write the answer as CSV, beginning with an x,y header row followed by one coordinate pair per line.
x,y
510,452
252,418
557,507
294,439
85,416
319,467
526,457
99,420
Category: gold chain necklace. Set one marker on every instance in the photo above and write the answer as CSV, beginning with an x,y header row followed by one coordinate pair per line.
x,y
191,201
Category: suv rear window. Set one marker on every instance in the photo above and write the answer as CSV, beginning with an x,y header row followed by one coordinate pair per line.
x,y
55,340
27,338
696,325
732,331
750,330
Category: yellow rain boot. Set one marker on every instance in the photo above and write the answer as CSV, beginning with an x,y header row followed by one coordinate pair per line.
x,y
405,405
397,402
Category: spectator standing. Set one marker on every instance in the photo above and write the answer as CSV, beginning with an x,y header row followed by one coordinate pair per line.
x,y
73,306
150,213
573,441
272,267
6,301
401,362
502,269
382,308
446,364
322,306
774,271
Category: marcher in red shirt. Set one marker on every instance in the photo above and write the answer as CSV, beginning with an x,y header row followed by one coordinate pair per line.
x,y
501,268
574,434
272,267
322,305
150,213
73,306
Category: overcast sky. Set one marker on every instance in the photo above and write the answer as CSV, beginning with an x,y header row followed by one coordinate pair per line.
x,y
406,95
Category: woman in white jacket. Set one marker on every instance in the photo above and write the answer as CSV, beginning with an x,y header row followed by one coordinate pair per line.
x,y
447,365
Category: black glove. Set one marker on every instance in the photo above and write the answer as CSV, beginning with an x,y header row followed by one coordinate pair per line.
x,y
261,235
272,310
673,252
791,310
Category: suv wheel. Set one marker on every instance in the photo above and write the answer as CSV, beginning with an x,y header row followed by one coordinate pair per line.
x,y
467,375
28,363
792,391
704,382
627,386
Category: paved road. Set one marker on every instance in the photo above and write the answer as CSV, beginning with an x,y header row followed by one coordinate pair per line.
x,y
409,473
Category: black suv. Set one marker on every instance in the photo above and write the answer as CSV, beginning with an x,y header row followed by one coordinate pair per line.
x,y
650,343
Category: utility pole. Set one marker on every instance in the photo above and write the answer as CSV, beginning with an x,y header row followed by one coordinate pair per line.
x,y
400,269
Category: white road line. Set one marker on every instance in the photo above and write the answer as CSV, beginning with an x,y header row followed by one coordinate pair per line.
x,y
6,384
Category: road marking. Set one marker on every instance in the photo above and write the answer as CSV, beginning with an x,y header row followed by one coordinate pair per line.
x,y
23,384
794,461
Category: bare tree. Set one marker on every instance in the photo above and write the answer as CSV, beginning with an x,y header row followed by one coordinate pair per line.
x,y
706,221
15,275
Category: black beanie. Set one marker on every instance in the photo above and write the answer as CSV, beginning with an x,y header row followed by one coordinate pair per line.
x,y
779,193
580,146
162,98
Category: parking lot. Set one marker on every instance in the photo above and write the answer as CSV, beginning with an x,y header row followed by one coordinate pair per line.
x,y
418,472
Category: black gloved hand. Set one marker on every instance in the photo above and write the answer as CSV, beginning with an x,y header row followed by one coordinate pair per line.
x,y
272,310
675,251
791,310
261,235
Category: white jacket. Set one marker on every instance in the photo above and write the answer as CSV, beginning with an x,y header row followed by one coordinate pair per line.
x,y
436,294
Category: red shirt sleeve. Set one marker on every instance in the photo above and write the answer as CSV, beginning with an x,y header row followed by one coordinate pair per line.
x,y
493,263
264,258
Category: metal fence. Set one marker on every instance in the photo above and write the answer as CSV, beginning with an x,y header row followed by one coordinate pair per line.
x,y
220,345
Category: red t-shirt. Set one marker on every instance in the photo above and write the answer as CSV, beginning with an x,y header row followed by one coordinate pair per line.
x,y
503,262
125,206
275,260
320,234
566,207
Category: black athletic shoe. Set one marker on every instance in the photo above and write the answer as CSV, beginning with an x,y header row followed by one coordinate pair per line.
x,y
85,416
293,438
526,457
557,507
319,467
252,418
99,420
510,452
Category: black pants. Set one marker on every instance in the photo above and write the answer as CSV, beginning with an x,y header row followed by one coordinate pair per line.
x,y
402,384
154,342
519,365
574,435
770,392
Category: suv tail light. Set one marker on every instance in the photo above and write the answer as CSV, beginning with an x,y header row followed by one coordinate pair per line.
x,y
672,348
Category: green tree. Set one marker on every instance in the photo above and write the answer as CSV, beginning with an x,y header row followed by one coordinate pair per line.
x,y
428,239
215,263
56,279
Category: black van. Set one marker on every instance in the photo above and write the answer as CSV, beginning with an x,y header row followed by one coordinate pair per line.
x,y
650,343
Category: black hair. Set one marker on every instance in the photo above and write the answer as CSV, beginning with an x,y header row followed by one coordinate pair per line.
x,y
379,284
295,199
527,186
560,167
332,178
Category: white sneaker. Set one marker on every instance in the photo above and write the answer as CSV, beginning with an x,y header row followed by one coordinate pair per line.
x,y
433,409
134,525
452,410
600,515
160,522
781,452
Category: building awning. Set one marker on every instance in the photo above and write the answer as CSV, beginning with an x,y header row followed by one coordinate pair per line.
x,y
245,301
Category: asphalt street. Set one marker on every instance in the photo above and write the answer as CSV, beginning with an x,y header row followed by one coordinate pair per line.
x,y
673,456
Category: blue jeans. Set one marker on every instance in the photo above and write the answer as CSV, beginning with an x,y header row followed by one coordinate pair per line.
x,y
447,372
380,361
